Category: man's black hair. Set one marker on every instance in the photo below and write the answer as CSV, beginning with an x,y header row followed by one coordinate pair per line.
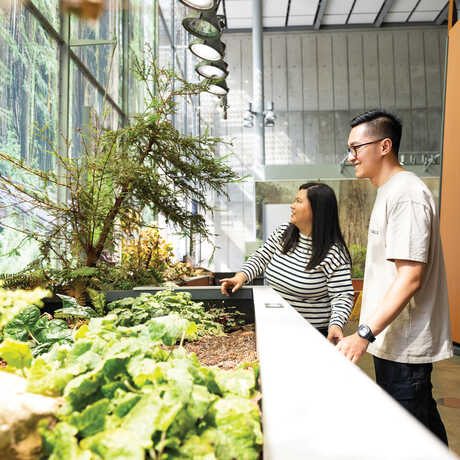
x,y
383,124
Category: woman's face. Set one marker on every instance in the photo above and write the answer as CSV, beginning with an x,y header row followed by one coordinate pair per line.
x,y
301,214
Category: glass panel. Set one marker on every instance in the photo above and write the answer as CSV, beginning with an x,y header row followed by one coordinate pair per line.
x,y
355,200
180,37
142,33
87,106
28,103
105,28
103,61
167,9
165,46
49,9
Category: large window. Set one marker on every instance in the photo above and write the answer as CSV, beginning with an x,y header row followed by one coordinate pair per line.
x,y
28,120
58,74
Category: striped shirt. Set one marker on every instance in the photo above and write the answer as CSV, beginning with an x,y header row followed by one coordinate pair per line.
x,y
323,295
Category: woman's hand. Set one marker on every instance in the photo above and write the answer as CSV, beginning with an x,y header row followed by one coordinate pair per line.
x,y
235,283
334,334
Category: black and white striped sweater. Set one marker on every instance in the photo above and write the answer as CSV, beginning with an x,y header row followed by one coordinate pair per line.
x,y
323,295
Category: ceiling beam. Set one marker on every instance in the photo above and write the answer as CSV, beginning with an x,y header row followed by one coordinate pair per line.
x,y
351,11
443,15
413,10
331,27
287,14
387,4
319,14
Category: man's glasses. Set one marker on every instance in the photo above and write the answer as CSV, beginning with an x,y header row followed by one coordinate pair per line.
x,y
353,150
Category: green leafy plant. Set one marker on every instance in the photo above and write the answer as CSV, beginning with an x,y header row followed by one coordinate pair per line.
x,y
137,310
13,302
41,330
127,397
229,317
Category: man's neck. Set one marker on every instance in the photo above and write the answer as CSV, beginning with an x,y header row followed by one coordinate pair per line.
x,y
387,171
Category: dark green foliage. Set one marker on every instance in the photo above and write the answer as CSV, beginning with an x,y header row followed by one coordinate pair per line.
x,y
42,331
131,311
102,278
230,318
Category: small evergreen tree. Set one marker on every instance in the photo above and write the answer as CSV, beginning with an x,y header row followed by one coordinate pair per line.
x,y
120,172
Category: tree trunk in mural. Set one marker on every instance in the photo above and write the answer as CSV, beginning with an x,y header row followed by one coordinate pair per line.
x,y
356,199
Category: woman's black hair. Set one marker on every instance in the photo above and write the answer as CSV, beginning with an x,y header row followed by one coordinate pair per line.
x,y
325,224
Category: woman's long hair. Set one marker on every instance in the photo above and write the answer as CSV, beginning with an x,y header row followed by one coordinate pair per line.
x,y
325,226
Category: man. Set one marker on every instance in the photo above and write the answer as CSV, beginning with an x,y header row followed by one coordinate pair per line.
x,y
404,319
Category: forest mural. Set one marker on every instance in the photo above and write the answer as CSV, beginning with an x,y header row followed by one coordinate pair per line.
x,y
355,200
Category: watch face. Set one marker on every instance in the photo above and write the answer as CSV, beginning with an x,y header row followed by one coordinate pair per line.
x,y
363,330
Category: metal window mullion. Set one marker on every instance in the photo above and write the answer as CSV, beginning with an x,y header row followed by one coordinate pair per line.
x,y
165,25
63,96
173,46
95,82
125,60
44,22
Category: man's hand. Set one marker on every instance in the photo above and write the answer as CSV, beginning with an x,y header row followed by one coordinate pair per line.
x,y
235,283
334,334
353,347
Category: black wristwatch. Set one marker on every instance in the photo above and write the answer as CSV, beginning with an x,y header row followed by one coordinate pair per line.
x,y
366,333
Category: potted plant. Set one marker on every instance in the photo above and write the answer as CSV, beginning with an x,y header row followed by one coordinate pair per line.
x,y
358,258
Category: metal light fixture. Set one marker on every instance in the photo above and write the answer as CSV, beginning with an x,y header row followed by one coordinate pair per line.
x,y
213,70
218,87
269,116
208,50
203,25
202,5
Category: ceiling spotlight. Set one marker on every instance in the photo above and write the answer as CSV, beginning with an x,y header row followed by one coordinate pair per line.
x,y
214,70
203,25
202,5
218,87
208,50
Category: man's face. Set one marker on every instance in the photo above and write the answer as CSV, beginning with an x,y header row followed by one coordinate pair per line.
x,y
365,152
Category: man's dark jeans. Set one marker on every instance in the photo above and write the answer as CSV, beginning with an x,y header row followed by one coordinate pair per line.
x,y
410,385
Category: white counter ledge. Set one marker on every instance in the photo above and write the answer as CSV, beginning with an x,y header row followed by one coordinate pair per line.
x,y
318,405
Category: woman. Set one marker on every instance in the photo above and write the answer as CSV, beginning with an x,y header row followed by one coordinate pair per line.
x,y
307,262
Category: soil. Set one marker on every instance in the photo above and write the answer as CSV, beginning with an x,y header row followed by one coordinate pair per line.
x,y
228,351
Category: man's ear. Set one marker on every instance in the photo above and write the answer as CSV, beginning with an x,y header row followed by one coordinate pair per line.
x,y
387,145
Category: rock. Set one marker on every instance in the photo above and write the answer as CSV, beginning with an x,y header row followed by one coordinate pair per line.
x,y
19,414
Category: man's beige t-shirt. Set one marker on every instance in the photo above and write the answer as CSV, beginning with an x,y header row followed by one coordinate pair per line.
x,y
405,225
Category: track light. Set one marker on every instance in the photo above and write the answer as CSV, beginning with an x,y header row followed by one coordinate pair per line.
x,y
213,70
218,87
208,50
202,5
203,25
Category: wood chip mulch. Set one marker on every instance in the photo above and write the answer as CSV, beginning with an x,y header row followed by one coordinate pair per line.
x,y
228,351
